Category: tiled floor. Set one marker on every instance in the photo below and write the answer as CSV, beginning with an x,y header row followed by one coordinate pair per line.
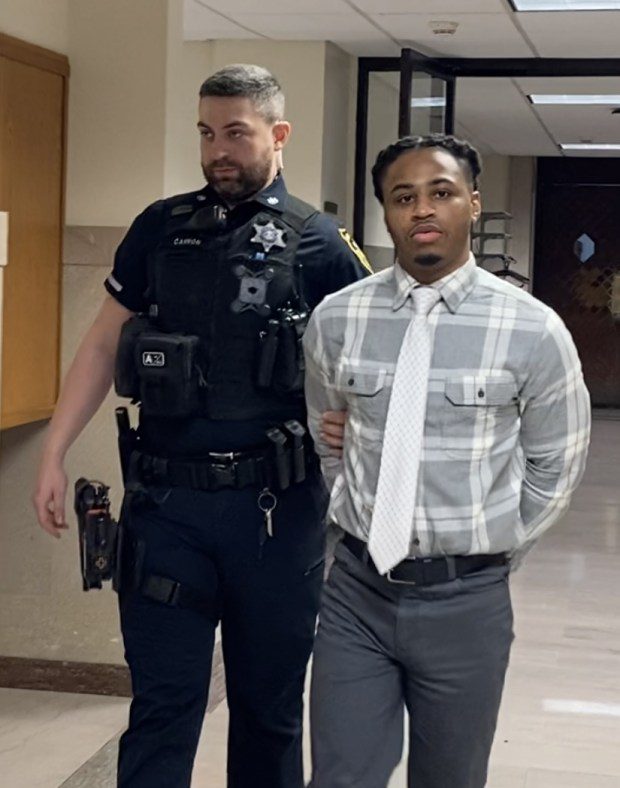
x,y
560,720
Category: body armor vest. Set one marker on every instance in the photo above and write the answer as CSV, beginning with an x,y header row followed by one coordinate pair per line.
x,y
223,336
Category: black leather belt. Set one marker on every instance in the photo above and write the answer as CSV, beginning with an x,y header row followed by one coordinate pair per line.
x,y
425,571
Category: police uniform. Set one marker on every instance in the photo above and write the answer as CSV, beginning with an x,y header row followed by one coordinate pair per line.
x,y
228,524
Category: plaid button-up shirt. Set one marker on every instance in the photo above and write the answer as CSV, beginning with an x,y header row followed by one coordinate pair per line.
x,y
508,414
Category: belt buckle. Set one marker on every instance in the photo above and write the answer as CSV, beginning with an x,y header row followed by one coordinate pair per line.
x,y
400,582
224,469
222,455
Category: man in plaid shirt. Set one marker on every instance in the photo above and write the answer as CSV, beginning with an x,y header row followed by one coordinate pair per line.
x,y
505,437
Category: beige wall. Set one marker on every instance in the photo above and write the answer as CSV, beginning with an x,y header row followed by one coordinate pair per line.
x,y
187,65
117,106
41,22
338,137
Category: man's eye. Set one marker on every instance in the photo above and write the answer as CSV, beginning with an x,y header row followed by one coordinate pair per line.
x,y
442,194
206,134
235,135
405,199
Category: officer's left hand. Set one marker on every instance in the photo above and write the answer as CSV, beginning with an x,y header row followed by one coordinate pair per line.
x,y
332,430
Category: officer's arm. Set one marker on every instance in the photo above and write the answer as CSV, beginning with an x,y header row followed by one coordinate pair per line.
x,y
85,386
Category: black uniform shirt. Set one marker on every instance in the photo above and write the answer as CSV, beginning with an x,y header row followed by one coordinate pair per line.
x,y
330,260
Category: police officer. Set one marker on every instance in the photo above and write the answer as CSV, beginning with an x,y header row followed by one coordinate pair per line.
x,y
211,291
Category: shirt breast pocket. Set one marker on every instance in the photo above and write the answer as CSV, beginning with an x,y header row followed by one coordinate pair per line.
x,y
480,415
367,393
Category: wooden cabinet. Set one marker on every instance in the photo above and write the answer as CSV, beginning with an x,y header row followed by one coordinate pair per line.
x,y
33,100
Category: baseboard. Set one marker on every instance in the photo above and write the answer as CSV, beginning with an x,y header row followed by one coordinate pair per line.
x,y
88,677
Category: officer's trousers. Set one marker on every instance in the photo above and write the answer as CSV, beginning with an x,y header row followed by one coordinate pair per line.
x,y
266,592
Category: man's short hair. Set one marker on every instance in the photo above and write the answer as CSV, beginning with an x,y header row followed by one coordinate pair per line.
x,y
466,155
248,81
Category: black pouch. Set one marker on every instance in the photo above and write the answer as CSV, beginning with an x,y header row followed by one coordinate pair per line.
x,y
169,374
289,367
126,380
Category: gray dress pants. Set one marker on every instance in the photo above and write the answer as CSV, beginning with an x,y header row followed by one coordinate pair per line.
x,y
441,651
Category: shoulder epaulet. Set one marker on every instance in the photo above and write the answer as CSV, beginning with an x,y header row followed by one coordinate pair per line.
x,y
298,213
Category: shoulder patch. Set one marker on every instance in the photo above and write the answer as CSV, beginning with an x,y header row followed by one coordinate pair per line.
x,y
350,242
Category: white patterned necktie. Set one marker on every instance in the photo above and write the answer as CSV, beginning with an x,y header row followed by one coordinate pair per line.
x,y
392,519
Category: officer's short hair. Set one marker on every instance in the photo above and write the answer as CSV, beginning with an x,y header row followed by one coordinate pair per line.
x,y
248,81
466,155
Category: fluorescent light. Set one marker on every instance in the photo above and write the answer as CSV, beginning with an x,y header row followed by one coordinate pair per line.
x,y
566,5
557,98
590,146
433,101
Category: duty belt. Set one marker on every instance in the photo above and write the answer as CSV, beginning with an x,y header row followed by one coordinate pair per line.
x,y
219,470
426,571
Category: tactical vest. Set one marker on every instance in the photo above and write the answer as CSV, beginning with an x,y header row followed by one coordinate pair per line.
x,y
222,338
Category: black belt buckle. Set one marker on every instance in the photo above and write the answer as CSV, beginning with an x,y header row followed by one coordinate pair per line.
x,y
224,473
392,579
409,562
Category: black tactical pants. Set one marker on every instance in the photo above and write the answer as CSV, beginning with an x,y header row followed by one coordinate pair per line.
x,y
267,596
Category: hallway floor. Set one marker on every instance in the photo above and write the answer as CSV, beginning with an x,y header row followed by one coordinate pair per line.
x,y
560,719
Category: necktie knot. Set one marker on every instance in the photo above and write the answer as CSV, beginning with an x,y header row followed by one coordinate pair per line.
x,y
424,299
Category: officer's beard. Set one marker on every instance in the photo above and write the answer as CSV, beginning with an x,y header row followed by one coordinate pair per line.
x,y
241,185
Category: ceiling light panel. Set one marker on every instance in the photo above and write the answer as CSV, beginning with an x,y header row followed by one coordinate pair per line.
x,y
590,146
575,99
566,5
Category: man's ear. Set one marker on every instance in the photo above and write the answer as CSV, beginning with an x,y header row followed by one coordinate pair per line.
x,y
476,206
281,133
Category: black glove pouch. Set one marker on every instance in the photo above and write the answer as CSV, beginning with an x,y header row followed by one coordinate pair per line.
x,y
169,374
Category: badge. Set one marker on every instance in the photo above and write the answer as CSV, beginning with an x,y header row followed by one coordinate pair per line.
x,y
268,236
273,200
348,239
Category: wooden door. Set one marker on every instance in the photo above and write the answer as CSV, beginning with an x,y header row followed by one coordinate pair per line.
x,y
32,123
577,264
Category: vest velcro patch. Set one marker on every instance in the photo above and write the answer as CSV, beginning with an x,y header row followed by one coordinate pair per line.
x,y
153,358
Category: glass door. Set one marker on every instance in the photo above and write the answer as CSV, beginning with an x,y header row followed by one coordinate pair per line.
x,y
426,96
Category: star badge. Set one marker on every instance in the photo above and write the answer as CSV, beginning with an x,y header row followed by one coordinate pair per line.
x,y
268,236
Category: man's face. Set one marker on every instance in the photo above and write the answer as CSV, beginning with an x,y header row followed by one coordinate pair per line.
x,y
429,206
238,147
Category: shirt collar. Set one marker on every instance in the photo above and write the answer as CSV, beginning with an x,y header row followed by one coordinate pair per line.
x,y
453,288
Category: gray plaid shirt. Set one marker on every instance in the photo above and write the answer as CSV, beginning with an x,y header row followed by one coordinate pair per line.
x,y
508,415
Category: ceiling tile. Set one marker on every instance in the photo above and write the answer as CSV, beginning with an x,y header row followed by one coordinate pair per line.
x,y
479,35
232,8
430,6
494,112
577,34
311,27
575,124
200,24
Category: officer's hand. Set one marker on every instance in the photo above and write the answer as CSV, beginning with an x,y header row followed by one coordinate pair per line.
x,y
49,497
332,430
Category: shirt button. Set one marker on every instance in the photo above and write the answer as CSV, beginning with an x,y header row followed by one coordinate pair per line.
x,y
481,393
416,542
351,381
